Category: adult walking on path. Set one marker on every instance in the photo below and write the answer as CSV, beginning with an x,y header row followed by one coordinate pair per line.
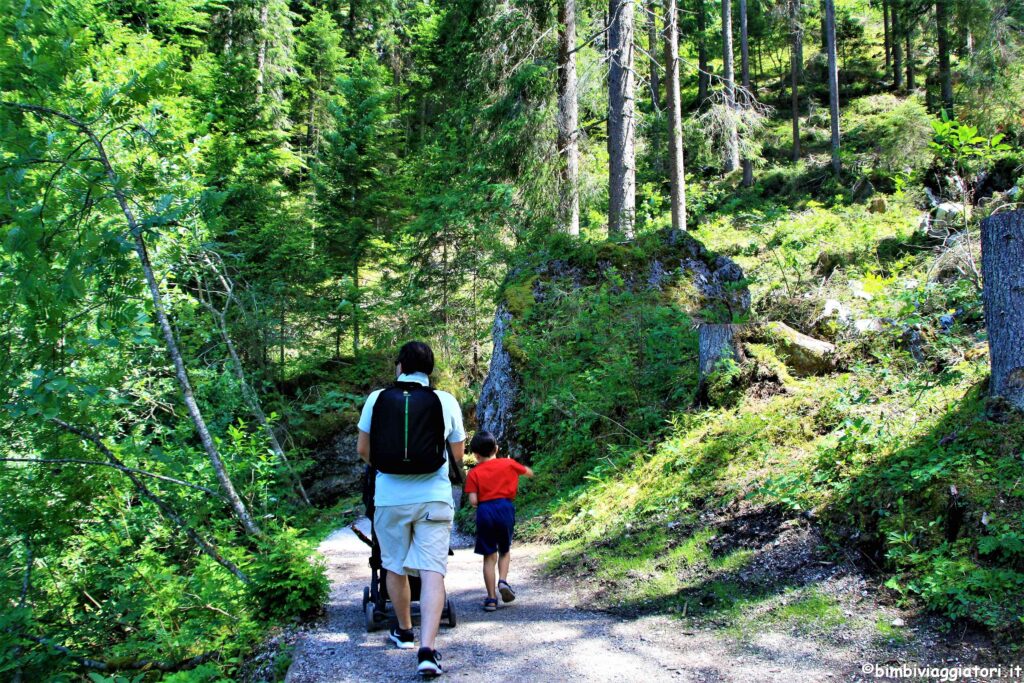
x,y
402,434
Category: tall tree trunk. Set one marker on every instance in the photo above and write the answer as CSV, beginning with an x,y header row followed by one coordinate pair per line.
x,y
886,45
833,81
824,27
1002,268
350,26
945,75
261,52
621,122
652,50
748,165
180,373
568,119
675,125
897,48
796,66
910,54
732,143
703,75
355,308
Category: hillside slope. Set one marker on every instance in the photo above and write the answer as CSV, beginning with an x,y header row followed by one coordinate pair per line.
x,y
893,460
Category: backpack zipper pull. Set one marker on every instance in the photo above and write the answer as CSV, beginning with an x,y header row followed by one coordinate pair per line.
x,y
406,393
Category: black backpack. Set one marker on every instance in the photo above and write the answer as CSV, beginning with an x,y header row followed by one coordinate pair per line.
x,y
407,430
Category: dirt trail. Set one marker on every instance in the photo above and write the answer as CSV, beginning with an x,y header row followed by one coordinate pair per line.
x,y
544,636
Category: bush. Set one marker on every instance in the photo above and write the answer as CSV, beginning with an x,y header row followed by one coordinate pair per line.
x,y
286,581
893,133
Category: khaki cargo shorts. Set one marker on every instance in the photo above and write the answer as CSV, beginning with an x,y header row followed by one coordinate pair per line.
x,y
414,537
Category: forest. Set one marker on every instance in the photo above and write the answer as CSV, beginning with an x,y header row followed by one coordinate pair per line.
x,y
696,262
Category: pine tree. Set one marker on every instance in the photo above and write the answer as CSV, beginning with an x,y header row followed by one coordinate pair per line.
x,y
621,120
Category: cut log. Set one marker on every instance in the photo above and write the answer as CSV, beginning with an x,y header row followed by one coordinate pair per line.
x,y
802,354
715,342
1002,269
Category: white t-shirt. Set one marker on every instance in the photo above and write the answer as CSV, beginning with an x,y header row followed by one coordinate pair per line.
x,y
402,489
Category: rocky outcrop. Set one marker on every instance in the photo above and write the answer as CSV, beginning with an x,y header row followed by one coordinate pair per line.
x,y
498,394
337,470
716,281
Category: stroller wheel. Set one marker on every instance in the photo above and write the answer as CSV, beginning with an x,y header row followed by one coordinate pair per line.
x,y
371,617
366,596
450,609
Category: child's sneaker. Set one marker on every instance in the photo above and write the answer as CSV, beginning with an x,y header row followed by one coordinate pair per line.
x,y
507,594
403,639
490,604
430,663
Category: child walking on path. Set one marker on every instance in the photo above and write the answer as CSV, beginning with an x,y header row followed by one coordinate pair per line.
x,y
492,486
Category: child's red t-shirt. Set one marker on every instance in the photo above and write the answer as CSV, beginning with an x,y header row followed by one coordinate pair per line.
x,y
495,478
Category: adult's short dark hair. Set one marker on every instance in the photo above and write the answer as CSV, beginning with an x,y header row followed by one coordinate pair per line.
x,y
483,443
416,356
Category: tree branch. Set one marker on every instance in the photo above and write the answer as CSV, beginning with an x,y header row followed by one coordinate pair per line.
x,y
122,468
185,385
161,504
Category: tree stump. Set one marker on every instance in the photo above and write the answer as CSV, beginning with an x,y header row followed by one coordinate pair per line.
x,y
1002,269
713,343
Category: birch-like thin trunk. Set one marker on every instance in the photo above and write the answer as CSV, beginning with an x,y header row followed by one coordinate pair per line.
x,y
796,59
180,373
568,119
748,165
732,142
249,395
833,82
675,125
621,121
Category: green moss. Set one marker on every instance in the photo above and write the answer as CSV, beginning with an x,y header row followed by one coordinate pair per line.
x,y
766,356
515,350
889,633
519,297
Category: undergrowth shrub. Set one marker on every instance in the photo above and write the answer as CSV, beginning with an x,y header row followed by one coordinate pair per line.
x,y
891,133
286,582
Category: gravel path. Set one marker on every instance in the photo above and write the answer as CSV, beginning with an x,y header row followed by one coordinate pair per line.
x,y
543,636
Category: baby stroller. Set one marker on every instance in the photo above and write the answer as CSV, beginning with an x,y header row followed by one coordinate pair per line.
x,y
376,604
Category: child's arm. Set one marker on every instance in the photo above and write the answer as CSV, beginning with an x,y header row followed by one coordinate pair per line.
x,y
528,473
472,499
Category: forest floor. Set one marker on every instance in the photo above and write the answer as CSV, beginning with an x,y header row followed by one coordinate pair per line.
x,y
832,629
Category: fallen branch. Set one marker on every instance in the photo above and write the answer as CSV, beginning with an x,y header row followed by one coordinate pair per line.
x,y
360,535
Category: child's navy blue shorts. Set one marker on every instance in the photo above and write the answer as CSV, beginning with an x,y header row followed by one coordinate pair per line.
x,y
494,522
